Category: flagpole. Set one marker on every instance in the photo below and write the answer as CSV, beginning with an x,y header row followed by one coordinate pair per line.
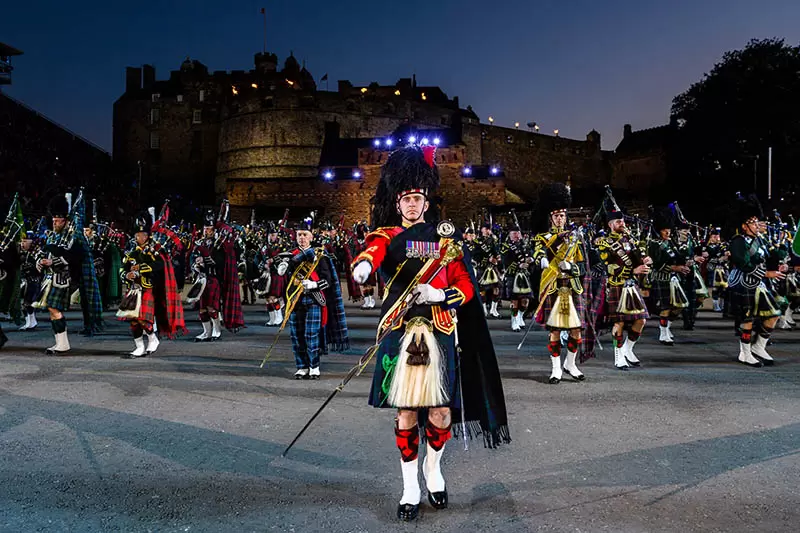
x,y
264,12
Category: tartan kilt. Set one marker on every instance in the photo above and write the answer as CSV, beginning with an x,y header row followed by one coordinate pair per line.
x,y
147,311
211,297
56,298
613,295
277,285
747,305
660,296
579,300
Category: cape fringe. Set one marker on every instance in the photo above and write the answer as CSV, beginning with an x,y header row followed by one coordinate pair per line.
x,y
473,430
339,347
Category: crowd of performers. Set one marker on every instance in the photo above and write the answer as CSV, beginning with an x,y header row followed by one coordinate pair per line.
x,y
439,285
577,279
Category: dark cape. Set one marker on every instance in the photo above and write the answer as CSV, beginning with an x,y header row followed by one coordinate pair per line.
x,y
484,404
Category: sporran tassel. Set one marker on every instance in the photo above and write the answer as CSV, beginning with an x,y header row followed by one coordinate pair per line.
x,y
677,298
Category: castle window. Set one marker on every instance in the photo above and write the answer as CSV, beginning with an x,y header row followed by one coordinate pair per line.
x,y
202,95
197,116
531,143
483,135
155,140
509,139
269,103
556,146
444,120
155,115
155,97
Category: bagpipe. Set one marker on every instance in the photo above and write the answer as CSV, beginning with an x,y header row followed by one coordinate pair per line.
x,y
13,225
66,238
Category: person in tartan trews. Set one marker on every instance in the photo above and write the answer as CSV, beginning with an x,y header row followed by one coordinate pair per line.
x,y
416,372
753,302
668,295
317,319
562,257
139,270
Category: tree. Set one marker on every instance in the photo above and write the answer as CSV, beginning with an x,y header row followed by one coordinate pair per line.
x,y
750,101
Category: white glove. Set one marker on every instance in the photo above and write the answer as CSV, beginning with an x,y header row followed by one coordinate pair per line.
x,y
361,272
282,267
308,284
544,263
565,266
427,294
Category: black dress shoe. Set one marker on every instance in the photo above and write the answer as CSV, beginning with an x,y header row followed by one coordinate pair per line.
x,y
637,363
554,381
667,343
407,512
438,499
765,362
621,367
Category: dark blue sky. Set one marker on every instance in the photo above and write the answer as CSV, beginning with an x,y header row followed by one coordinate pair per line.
x,y
567,64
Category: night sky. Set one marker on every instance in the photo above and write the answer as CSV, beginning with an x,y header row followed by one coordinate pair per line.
x,y
572,65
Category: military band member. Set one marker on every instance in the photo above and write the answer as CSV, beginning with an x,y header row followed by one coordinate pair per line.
x,y
31,280
317,319
667,293
753,303
489,273
717,268
140,268
274,282
626,308
417,367
517,260
561,253
60,263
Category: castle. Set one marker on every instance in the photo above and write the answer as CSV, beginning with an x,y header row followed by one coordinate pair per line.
x,y
270,138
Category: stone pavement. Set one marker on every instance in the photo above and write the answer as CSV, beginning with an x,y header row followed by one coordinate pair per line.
x,y
190,439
